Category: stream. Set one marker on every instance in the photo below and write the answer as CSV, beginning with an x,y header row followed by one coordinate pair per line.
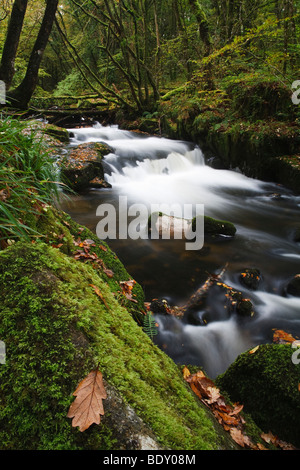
x,y
156,170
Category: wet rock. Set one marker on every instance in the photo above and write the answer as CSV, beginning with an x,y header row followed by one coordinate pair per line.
x,y
159,306
176,227
214,227
293,287
250,278
82,167
163,225
296,236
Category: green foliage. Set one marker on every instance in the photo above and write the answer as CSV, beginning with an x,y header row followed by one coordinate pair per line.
x,y
72,85
149,325
27,179
255,96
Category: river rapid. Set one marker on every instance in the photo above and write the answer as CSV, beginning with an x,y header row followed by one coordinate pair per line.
x,y
152,170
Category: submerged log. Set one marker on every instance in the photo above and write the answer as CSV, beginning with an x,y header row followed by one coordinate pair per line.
x,y
234,301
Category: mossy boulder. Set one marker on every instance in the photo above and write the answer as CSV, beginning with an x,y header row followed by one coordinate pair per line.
x,y
57,132
214,227
266,382
56,330
58,229
261,99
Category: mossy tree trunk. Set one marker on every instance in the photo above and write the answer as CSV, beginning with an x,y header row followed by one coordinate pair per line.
x,y
205,36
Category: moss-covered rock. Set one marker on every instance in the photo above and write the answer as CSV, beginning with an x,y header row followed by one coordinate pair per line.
x,y
56,329
58,229
214,227
267,383
57,132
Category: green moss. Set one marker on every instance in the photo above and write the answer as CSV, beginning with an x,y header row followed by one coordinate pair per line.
x,y
60,230
267,383
214,227
56,329
58,133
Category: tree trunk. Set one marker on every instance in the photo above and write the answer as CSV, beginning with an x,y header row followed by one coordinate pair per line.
x,y
205,37
7,67
21,96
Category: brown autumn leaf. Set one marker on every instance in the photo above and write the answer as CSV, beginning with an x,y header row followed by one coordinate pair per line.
x,y
98,292
240,438
237,409
228,416
127,287
88,406
109,273
271,439
261,447
226,419
282,337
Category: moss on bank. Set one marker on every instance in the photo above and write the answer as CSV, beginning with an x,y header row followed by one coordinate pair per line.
x,y
267,383
249,124
56,329
59,230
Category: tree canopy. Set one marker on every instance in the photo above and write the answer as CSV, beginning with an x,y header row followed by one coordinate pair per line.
x,y
131,53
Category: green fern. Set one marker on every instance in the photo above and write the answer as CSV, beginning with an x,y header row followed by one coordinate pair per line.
x,y
149,325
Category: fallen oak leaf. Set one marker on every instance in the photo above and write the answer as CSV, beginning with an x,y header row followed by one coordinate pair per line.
x,y
269,438
240,438
237,409
88,406
127,287
108,272
98,292
282,337
226,418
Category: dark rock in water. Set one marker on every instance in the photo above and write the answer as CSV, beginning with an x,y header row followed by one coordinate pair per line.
x,y
297,235
293,287
82,167
159,306
250,278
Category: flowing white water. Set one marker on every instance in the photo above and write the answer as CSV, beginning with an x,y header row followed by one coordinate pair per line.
x,y
153,170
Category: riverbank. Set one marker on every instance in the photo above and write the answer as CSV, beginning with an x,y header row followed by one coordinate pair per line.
x,y
250,127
